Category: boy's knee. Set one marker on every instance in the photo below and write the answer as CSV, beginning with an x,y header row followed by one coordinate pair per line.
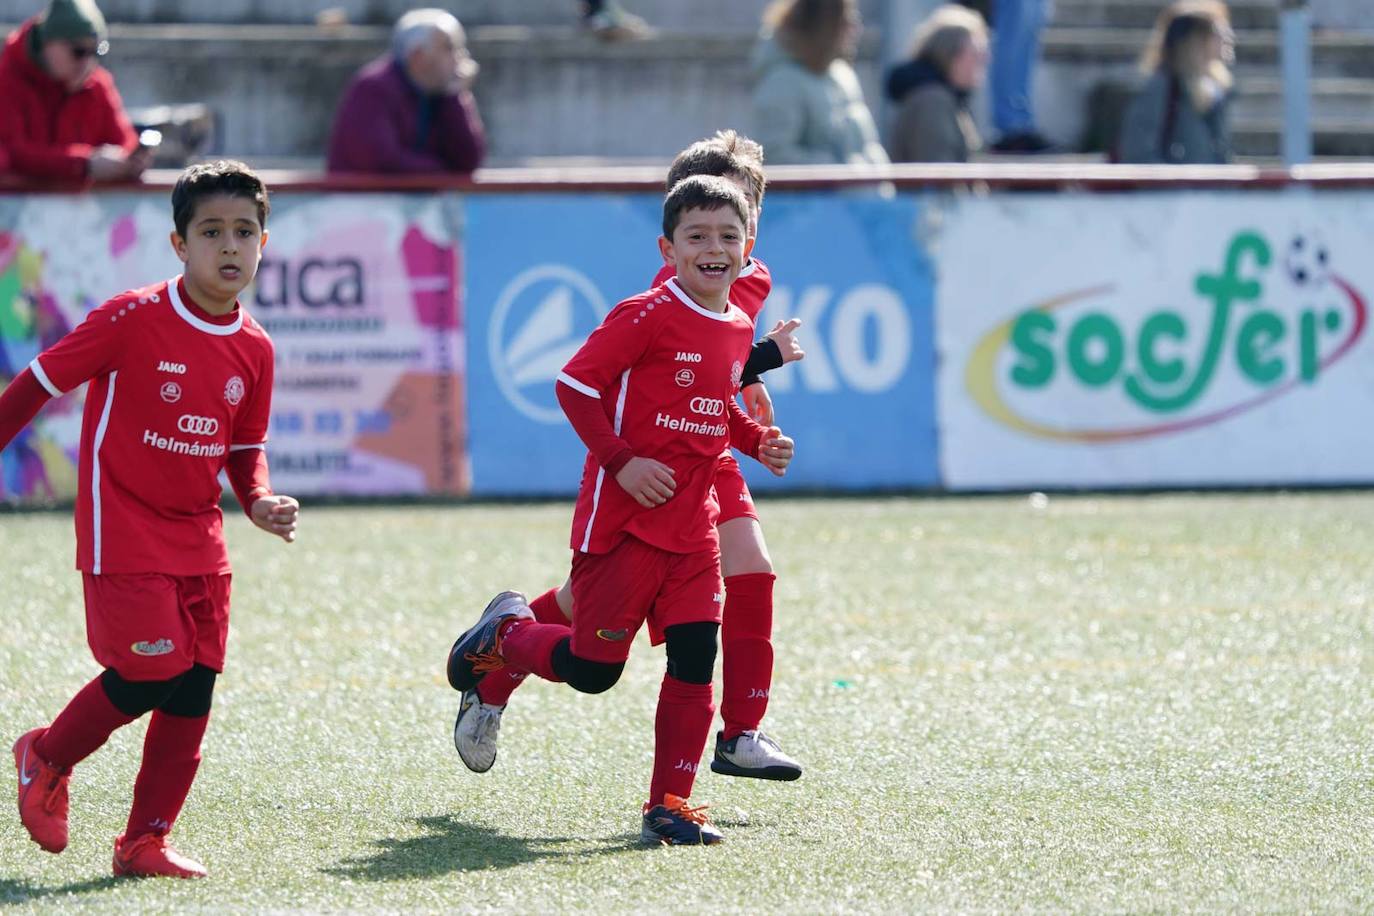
x,y
692,651
192,697
582,674
134,698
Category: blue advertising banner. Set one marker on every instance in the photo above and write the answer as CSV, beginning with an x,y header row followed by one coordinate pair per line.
x,y
542,271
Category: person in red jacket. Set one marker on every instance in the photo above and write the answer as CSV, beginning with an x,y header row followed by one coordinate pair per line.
x,y
62,118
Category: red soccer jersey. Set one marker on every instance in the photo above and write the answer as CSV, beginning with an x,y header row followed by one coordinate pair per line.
x,y
749,290
172,393
665,370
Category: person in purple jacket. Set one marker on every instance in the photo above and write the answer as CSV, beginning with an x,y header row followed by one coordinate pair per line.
x,y
412,111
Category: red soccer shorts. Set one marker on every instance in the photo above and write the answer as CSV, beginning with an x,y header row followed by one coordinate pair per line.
x,y
151,627
732,492
615,592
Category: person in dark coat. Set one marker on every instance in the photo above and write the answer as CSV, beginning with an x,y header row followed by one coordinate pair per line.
x,y
949,61
1179,114
412,110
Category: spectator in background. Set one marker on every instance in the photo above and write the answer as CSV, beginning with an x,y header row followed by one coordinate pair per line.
x,y
808,106
412,111
1179,114
61,117
949,60
1016,26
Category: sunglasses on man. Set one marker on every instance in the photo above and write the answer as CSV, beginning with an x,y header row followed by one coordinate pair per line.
x,y
81,52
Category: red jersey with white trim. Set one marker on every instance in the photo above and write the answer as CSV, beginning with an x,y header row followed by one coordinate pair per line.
x,y
664,369
172,392
750,289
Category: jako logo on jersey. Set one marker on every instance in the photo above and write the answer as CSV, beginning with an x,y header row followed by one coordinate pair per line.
x,y
684,357
612,635
158,647
539,320
174,368
685,378
710,407
233,390
171,392
199,426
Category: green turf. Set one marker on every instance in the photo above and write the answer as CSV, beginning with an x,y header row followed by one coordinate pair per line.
x,y
1121,704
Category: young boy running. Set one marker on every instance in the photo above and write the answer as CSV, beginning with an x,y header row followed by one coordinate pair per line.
x,y
651,394
742,749
181,388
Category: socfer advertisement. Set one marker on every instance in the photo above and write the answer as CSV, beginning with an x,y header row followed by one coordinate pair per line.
x,y
1156,339
545,270
359,293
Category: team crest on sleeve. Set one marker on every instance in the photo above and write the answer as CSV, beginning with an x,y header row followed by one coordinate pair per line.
x,y
736,374
233,390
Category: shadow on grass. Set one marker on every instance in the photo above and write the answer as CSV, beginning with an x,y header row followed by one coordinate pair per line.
x,y
14,891
449,845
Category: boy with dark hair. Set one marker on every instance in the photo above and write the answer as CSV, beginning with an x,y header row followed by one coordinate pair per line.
x,y
742,749
181,388
651,394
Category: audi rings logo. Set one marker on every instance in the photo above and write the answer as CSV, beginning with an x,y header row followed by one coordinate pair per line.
x,y
198,426
708,407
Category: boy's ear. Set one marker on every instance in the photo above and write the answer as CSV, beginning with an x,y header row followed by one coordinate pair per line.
x,y
263,243
178,245
748,247
665,248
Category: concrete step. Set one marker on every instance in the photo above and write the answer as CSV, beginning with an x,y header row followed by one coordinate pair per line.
x,y
1141,14
1339,99
1333,53
1330,138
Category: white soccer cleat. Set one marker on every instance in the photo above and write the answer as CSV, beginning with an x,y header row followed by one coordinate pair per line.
x,y
475,731
755,755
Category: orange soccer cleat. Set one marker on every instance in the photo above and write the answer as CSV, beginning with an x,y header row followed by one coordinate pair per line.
x,y
149,855
42,794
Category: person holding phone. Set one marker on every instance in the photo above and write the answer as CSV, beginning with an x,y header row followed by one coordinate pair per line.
x,y
62,118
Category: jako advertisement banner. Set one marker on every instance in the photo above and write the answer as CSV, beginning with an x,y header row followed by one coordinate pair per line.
x,y
545,269
1156,340
359,294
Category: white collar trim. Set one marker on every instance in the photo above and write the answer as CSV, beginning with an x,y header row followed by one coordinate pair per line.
x,y
687,301
747,269
200,324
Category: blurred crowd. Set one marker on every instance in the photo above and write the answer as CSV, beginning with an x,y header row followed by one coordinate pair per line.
x,y
412,110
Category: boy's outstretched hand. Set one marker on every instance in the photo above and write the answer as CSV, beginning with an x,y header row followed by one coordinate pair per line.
x,y
788,346
775,451
757,404
277,515
650,482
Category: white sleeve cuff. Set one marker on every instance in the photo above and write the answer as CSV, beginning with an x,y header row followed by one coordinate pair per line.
x,y
575,385
37,369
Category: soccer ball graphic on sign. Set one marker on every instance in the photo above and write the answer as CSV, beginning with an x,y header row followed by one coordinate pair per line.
x,y
1306,260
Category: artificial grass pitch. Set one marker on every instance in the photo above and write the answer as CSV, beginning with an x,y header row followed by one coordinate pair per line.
x,y
1133,703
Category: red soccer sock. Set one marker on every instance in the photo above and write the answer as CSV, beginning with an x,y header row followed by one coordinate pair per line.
x,y
747,651
496,688
546,609
79,730
171,756
528,646
681,726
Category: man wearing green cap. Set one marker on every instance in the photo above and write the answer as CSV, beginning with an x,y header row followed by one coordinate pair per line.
x,y
62,118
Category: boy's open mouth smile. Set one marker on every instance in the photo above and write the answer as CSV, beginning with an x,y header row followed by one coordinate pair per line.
x,y
714,269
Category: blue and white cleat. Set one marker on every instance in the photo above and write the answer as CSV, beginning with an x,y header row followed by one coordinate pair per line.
x,y
478,651
755,755
475,731
675,823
